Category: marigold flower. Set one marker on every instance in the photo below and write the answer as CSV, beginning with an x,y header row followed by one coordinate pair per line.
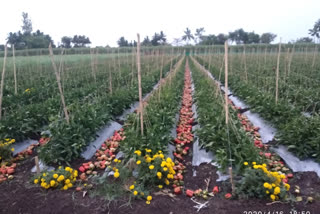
x,y
67,181
245,163
135,192
36,181
138,162
273,197
60,178
147,202
52,183
69,185
65,187
169,160
131,187
151,167
160,186
266,185
165,169
159,174
55,176
12,149
149,198
276,190
254,163
116,174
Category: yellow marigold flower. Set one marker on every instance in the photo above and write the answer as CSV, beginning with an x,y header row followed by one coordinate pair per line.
x,y
273,185
273,197
265,165
267,192
148,150
163,164
138,152
282,176
149,198
12,149
167,182
115,160
84,185
245,163
52,183
159,151
160,186
161,156
42,180
169,160
266,185
135,192
70,185
151,167
138,162
36,181
254,163
116,174
131,187
44,174
159,174
60,178
147,202
165,169
65,187
55,176
287,186
148,160
276,190
67,168
67,181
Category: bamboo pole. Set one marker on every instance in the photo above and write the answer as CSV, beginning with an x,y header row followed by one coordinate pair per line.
x,y
226,80
14,71
290,59
92,65
314,55
36,160
245,62
2,78
139,82
277,73
110,75
59,83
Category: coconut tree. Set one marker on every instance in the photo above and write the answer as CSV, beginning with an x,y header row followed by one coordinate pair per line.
x,y
187,36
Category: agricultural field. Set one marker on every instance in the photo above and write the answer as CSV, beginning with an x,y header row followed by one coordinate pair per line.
x,y
193,129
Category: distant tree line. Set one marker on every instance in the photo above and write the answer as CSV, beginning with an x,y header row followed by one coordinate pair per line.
x,y
27,39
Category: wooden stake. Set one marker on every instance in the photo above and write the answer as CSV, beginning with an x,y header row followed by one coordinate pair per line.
x,y
314,55
226,79
245,62
139,82
277,74
92,65
59,83
14,71
231,180
2,78
290,59
110,75
36,160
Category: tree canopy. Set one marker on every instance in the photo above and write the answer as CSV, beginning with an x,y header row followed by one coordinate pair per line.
x,y
27,39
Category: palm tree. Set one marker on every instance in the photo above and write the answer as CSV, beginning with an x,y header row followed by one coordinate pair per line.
x,y
187,36
315,31
199,33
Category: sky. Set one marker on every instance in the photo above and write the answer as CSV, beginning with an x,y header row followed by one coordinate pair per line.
x,y
105,21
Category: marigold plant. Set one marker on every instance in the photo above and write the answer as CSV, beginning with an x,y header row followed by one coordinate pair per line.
x,y
259,182
6,148
62,178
